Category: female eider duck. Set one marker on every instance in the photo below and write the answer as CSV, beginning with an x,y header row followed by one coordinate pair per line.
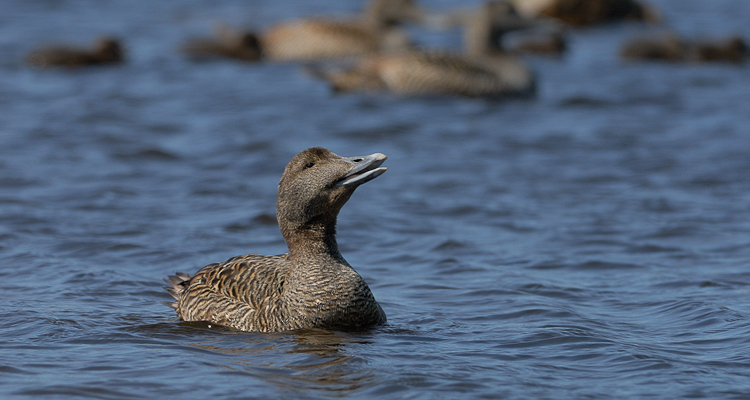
x,y
316,39
105,51
485,71
312,286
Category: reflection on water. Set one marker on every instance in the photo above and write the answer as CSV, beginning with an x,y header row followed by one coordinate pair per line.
x,y
315,359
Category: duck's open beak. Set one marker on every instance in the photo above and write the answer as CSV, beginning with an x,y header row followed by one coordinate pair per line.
x,y
365,169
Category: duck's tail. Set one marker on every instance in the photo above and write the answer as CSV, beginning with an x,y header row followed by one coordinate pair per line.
x,y
177,284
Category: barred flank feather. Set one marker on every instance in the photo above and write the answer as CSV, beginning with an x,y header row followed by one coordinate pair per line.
x,y
177,284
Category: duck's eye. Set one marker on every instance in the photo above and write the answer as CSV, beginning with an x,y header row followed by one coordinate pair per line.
x,y
309,165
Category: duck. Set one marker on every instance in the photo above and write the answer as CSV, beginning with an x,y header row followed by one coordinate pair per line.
x,y
106,50
539,35
316,39
485,70
588,12
733,49
241,45
665,47
672,48
311,286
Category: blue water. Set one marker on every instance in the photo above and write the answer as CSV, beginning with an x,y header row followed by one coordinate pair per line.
x,y
593,242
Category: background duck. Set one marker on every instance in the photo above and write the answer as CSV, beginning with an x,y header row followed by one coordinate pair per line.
x,y
665,47
312,286
316,39
733,49
670,47
106,50
537,36
485,71
226,43
588,12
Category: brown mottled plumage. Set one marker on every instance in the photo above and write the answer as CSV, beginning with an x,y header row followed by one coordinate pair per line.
x,y
310,287
423,73
670,47
486,71
105,51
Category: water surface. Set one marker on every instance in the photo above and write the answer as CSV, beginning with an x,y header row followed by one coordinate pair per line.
x,y
591,243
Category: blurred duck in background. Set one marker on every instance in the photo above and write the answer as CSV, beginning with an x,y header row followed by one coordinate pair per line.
x,y
106,50
377,30
664,47
733,49
533,35
226,43
588,12
484,71
670,47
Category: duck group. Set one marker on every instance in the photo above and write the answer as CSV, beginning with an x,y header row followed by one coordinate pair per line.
x,y
484,70
373,52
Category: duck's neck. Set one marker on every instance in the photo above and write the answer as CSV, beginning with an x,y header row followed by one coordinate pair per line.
x,y
482,38
314,242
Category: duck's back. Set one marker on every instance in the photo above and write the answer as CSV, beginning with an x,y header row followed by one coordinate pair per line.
x,y
243,293
429,73
318,39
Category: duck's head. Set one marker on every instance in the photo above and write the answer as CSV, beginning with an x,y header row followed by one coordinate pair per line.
x,y
109,49
249,46
737,44
317,183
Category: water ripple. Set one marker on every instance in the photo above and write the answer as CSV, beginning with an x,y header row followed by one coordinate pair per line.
x,y
589,243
